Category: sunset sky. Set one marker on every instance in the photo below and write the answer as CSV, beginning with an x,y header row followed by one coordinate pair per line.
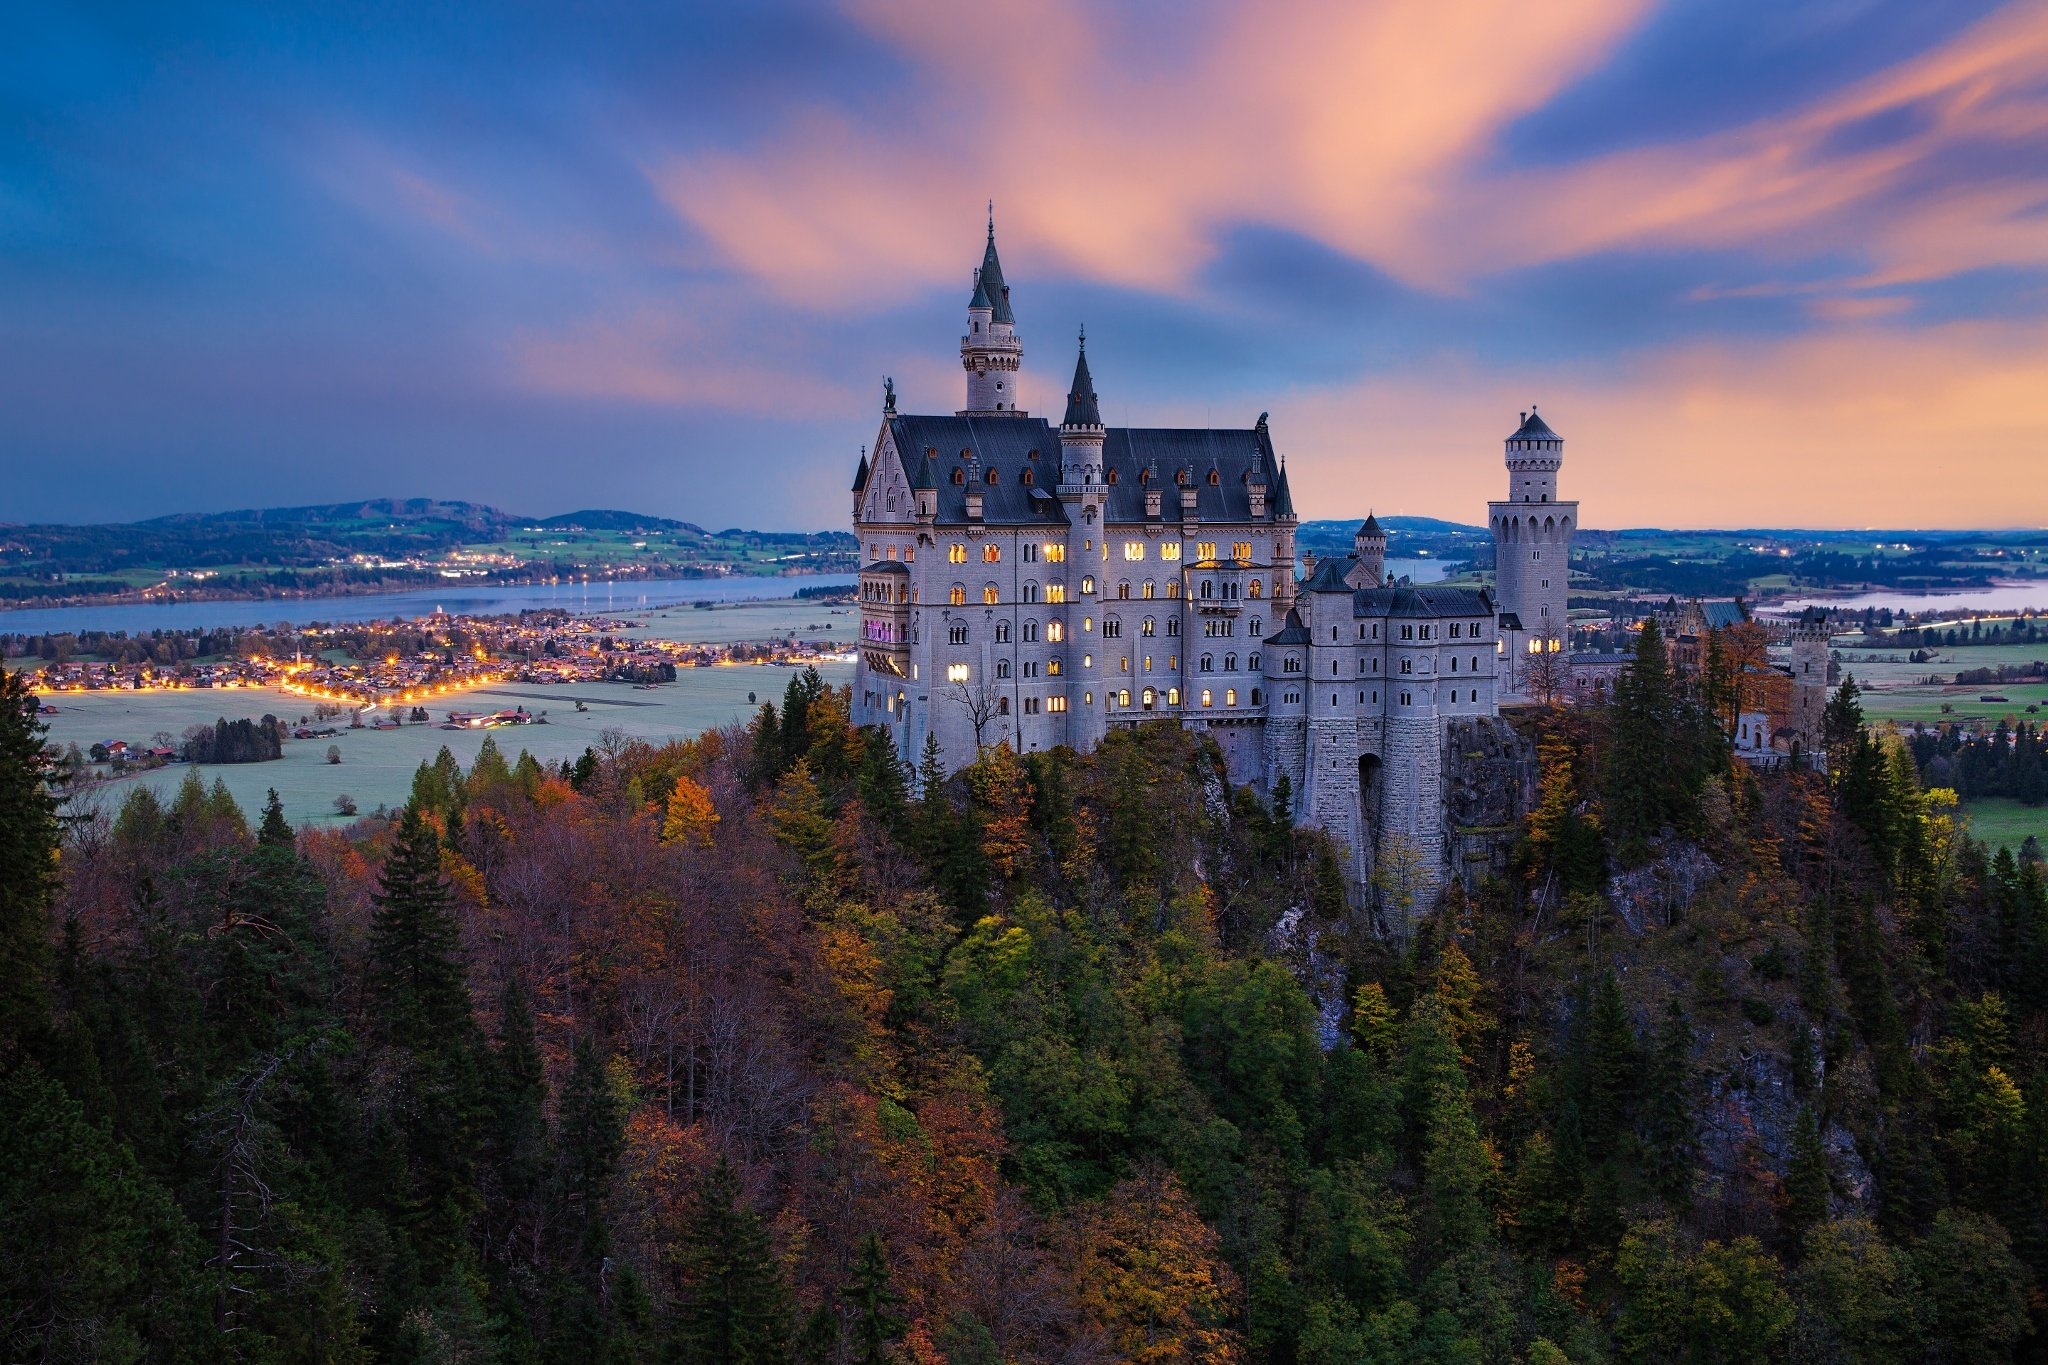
x,y
1761,263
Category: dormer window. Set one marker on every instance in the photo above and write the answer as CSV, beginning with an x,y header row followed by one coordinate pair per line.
x,y
991,476
1215,479
1025,478
959,476
1110,477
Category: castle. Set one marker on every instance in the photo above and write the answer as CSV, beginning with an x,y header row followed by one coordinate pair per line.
x,y
1037,585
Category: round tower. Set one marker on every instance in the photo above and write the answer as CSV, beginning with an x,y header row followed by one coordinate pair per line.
x,y
1532,544
1370,546
990,352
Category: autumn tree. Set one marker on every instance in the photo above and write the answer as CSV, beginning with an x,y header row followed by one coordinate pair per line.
x,y
1147,1269
690,816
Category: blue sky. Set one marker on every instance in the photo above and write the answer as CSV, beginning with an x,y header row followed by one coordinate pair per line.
x,y
1761,263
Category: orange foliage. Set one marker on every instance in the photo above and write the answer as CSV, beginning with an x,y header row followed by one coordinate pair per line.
x,y
691,817
1151,1273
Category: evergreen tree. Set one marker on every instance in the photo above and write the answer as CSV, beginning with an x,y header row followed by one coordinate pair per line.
x,y
1608,1069
28,870
590,1136
416,974
275,831
1669,1144
874,1301
739,1310
1806,1178
881,783
1643,786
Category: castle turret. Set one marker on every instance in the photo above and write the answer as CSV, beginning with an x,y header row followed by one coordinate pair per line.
x,y
1532,541
990,352
1370,549
1811,636
1081,430
1084,494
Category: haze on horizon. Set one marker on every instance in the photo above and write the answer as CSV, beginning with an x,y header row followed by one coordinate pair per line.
x,y
1762,264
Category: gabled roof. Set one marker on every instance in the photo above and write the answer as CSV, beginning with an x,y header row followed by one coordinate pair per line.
x,y
1005,444
1292,633
1534,428
1329,574
1429,602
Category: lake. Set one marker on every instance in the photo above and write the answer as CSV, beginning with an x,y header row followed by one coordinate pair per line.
x,y
457,599
1999,597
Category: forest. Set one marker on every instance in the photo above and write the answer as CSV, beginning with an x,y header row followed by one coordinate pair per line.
x,y
766,1047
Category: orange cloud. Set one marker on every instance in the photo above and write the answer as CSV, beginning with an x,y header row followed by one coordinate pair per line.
x,y
668,360
1946,426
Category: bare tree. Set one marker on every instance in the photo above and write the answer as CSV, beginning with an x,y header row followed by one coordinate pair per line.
x,y
1398,876
1548,674
983,702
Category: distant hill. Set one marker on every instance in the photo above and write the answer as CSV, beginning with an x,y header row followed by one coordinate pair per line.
x,y
1407,537
606,519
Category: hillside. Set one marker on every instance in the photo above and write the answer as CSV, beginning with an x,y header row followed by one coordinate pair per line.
x,y
761,1047
379,544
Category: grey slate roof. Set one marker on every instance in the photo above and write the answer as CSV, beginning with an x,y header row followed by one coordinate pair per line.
x,y
1005,445
1422,602
1292,633
886,566
991,280
1534,428
1082,409
860,476
1371,528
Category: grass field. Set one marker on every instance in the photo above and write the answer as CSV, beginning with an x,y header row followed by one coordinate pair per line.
x,y
2001,821
377,765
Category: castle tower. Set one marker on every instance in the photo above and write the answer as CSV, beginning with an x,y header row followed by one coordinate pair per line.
x,y
991,352
1532,543
1085,494
1810,638
1370,543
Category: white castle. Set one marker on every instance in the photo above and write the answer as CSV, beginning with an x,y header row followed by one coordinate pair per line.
x,y
1036,585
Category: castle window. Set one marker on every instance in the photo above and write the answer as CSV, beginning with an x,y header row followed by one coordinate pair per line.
x,y
1241,551
956,553
1215,479
1170,550
1180,476
992,476
1406,666
1087,585
1208,697
1149,591
958,596
1454,630
1110,477
1173,696
1134,549
1030,592
1230,663
956,673
1205,552
1002,706
1230,696
991,553
1002,668
1002,632
1173,589
1454,663
1257,631
1407,632
1030,552
1055,553
989,595
1055,592
1208,664
1258,588
1427,631
1030,669
1145,628
1123,591
959,477
1404,699
1031,706
1025,478
1112,628
1208,589
1292,664
1053,668
1124,664
1055,631
1257,698
1475,663
1030,632
1454,694
1056,705
1148,663
1252,663
956,633
1173,626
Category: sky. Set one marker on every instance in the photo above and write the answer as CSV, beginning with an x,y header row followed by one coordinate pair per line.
x,y
1760,262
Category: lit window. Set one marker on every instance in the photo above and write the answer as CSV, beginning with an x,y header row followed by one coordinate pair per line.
x,y
1134,550
1053,668
958,595
1205,551
1055,592
1055,631
1173,696
1150,590
989,596
1087,661
1123,590
1145,628
1056,704
1148,663
1087,625
956,554
1173,588
956,673
1208,697
991,554
1123,697
1241,551
1087,585
1055,554
1258,588
1230,696
1170,550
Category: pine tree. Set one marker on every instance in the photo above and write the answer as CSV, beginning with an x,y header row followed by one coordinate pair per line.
x,y
873,1300
1669,1142
416,975
1638,779
1609,1068
28,870
275,831
518,1097
881,783
1806,1178
590,1137
739,1310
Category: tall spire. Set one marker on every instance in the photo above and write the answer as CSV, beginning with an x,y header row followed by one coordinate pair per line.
x,y
1082,407
992,275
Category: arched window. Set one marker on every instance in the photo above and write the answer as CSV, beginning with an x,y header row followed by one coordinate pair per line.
x,y
1208,664
1145,628
1030,632
1030,592
992,475
1173,589
1002,706
1123,590
1002,668
1025,478
1257,699
1173,696
1208,697
1110,477
1258,588
1208,589
1112,628
1123,696
1055,631
1230,696
1149,591
959,595
1172,627
956,633
1230,663
1087,584
1215,479
1252,663
1002,632
1052,668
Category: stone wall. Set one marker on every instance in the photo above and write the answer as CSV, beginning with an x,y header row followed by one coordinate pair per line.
x,y
1489,787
